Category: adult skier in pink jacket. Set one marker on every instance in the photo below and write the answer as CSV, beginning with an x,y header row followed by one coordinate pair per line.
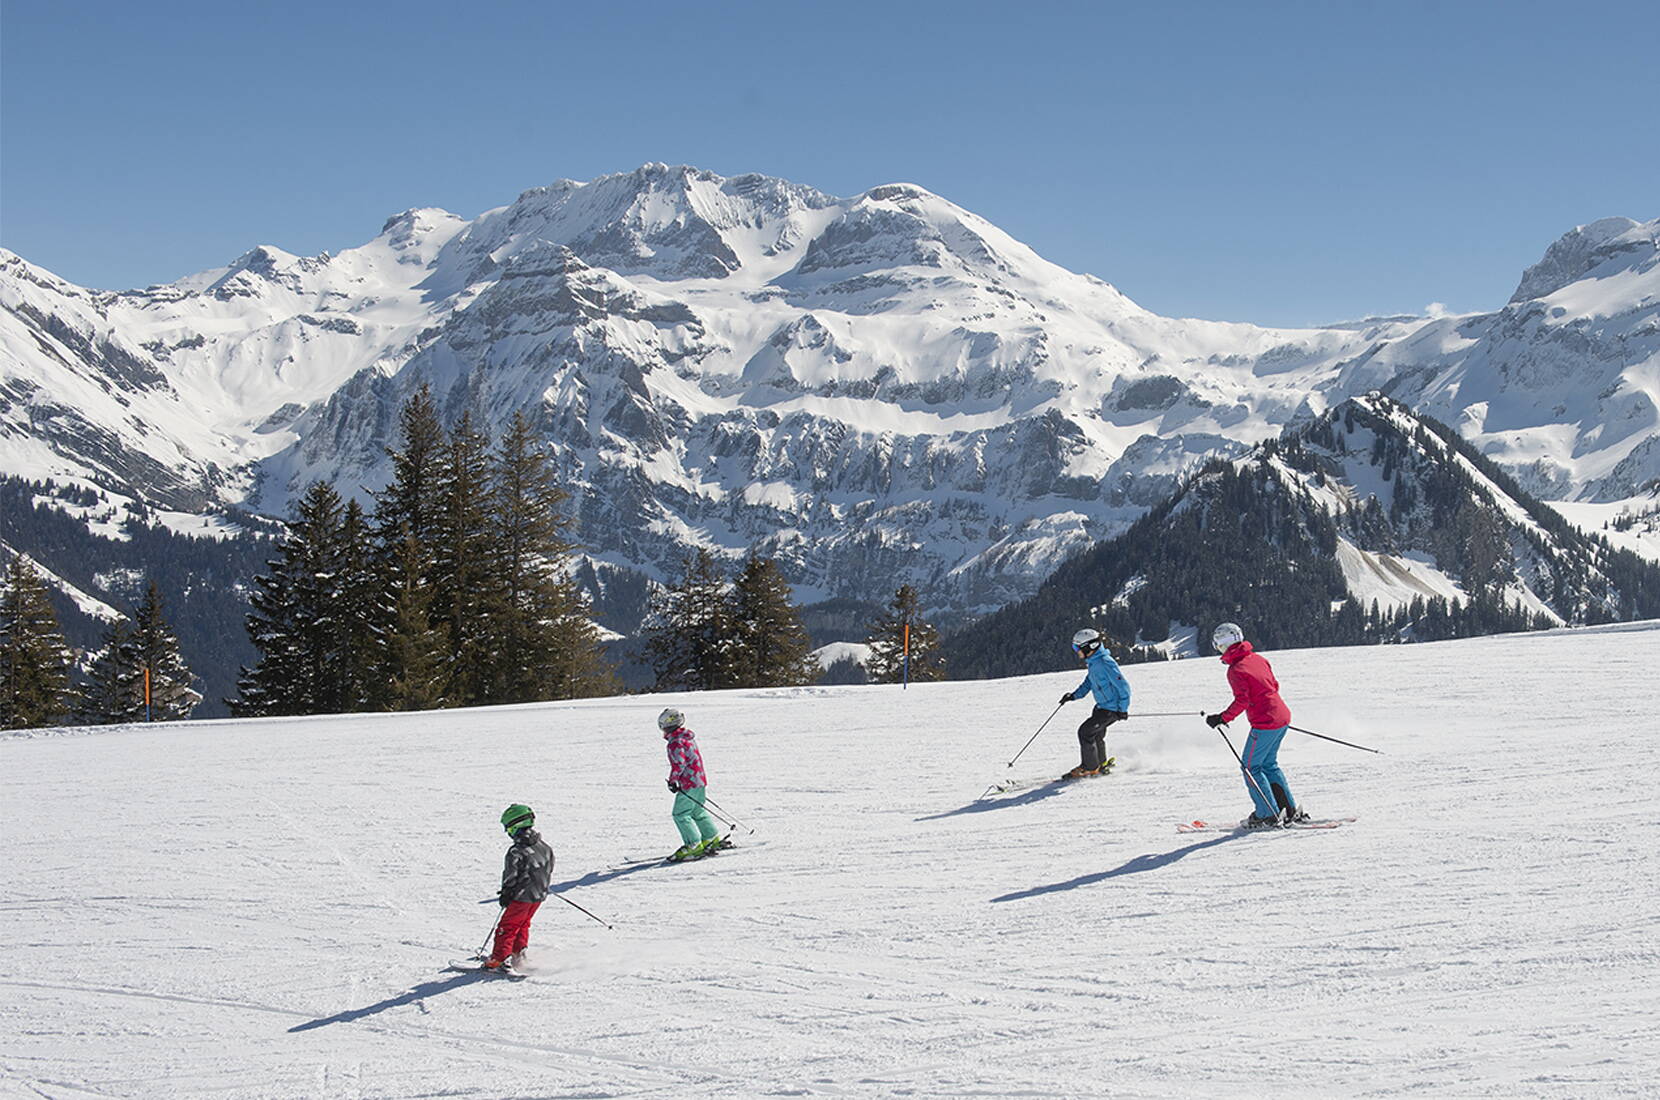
x,y
1256,693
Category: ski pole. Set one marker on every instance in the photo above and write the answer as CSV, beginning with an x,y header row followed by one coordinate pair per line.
x,y
1161,714
1032,738
1249,778
726,817
485,946
1323,737
574,905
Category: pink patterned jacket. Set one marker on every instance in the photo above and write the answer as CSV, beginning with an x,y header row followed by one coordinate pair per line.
x,y
685,762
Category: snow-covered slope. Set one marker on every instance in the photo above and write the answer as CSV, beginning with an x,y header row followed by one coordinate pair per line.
x,y
264,908
877,388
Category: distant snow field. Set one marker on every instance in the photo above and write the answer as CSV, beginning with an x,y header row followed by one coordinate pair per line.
x,y
265,908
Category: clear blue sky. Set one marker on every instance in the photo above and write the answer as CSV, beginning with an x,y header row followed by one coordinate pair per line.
x,y
1283,163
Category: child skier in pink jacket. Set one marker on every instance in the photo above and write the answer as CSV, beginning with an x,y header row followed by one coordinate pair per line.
x,y
699,835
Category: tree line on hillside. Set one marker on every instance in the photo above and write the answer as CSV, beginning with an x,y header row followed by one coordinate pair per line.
x,y
1233,544
706,632
136,675
97,543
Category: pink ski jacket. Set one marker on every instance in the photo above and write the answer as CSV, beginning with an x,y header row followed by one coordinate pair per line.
x,y
685,762
1255,691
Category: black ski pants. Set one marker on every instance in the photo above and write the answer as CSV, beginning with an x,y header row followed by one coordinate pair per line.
x,y
1092,736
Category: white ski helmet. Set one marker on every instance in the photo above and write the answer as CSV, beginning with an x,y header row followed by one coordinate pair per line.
x,y
670,719
1226,636
1086,641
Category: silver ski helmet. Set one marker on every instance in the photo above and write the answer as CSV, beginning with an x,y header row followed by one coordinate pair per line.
x,y
1086,641
1226,636
670,719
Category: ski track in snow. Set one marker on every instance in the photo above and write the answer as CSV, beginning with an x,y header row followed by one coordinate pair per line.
x,y
265,909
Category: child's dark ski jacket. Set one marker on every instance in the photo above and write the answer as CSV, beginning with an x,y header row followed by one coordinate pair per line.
x,y
527,869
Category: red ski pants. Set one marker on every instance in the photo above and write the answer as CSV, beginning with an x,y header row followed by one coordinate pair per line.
x,y
513,933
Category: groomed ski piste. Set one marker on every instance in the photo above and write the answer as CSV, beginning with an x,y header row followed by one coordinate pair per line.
x,y
266,908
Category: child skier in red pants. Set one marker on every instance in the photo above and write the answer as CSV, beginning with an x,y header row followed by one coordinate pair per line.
x,y
524,886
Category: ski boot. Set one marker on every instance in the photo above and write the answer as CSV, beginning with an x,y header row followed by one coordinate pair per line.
x,y
683,853
1255,822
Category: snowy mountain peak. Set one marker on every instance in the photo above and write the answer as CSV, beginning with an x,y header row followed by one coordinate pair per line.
x,y
1580,252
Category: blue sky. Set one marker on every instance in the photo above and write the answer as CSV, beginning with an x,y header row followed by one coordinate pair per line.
x,y
1285,163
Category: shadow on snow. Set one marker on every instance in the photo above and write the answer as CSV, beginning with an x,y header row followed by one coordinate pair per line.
x,y
1152,861
982,804
409,997
594,878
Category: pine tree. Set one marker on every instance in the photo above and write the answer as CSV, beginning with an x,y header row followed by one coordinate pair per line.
x,y
546,645
411,502
689,635
34,660
414,652
466,564
296,618
886,664
158,667
110,695
773,649
364,614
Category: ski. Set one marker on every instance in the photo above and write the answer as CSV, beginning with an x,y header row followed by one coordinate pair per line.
x,y
1009,785
475,965
1235,827
725,845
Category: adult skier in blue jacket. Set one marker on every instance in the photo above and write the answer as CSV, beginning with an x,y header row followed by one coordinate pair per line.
x,y
1112,701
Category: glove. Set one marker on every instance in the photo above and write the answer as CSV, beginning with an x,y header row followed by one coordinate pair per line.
x,y
502,899
1214,720
672,787
1118,715
1065,699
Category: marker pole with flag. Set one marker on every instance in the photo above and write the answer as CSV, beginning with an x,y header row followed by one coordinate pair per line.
x,y
147,693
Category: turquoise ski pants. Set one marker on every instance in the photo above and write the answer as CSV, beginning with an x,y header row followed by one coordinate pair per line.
x,y
1262,770
691,818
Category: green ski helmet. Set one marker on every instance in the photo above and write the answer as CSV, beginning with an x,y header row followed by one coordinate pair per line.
x,y
517,818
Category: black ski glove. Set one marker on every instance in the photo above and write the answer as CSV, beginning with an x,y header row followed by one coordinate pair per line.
x,y
1065,699
1214,720
1118,715
672,787
502,899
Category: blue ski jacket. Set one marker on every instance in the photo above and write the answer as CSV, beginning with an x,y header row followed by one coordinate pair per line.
x,y
1112,691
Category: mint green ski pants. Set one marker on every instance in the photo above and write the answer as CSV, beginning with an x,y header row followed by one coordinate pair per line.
x,y
691,818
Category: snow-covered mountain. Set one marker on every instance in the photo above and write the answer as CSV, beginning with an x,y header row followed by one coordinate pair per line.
x,y
873,389
1367,523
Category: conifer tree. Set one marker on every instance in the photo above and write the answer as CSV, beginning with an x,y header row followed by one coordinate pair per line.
x,y
689,633
109,695
295,622
34,660
546,645
772,647
415,650
157,666
364,613
466,564
411,501
886,664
